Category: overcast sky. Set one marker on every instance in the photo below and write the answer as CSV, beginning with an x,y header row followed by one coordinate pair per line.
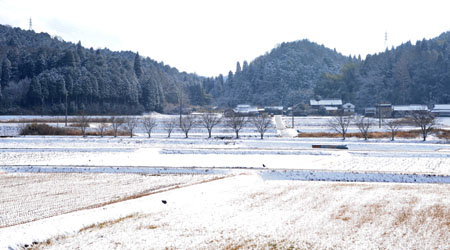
x,y
208,37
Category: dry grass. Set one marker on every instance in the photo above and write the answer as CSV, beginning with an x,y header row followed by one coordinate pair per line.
x,y
372,135
442,134
55,120
92,227
45,129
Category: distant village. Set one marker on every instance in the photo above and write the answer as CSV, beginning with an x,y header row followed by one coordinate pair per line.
x,y
330,107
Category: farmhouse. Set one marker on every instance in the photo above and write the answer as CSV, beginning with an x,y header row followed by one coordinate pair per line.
x,y
316,104
348,108
274,110
245,109
370,112
326,106
441,110
404,110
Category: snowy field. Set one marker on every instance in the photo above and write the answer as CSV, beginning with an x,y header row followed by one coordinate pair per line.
x,y
64,192
248,212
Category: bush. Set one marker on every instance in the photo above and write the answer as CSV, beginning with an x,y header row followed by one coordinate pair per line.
x,y
44,129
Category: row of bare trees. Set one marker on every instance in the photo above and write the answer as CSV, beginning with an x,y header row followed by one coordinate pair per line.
x,y
186,123
424,120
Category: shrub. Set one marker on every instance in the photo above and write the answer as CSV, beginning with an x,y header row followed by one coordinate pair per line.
x,y
45,129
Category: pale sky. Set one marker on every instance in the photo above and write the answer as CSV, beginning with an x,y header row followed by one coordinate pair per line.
x,y
208,37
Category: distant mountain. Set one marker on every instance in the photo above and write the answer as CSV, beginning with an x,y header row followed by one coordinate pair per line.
x,y
408,74
287,74
38,71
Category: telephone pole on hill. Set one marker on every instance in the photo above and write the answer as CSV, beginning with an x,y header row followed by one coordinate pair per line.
x,y
30,27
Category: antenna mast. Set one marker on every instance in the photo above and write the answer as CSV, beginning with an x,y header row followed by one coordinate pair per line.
x,y
385,40
31,25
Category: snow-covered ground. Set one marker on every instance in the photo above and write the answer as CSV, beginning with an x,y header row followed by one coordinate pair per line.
x,y
248,212
27,197
268,198
402,156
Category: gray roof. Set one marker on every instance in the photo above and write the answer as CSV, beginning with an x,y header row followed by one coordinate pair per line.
x,y
441,107
412,107
330,102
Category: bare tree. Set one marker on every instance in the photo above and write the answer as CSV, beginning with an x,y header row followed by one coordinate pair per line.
x,y
425,120
116,123
187,123
209,121
261,123
149,124
363,124
170,125
236,122
102,126
393,126
132,123
83,121
340,124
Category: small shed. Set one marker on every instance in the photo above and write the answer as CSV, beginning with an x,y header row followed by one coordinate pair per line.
x,y
348,108
370,112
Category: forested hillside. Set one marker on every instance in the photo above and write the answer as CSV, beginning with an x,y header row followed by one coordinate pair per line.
x,y
38,72
288,73
408,74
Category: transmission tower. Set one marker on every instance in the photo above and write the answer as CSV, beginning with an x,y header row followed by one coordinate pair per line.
x,y
30,25
385,40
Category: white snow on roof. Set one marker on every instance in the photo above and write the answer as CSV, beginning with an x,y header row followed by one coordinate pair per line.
x,y
409,107
274,107
325,102
348,105
441,107
244,108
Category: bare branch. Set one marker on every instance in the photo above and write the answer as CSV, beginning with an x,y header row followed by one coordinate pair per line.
x,y
102,126
425,121
236,122
187,123
83,121
261,123
132,123
116,123
149,124
340,124
209,121
393,126
363,124
170,125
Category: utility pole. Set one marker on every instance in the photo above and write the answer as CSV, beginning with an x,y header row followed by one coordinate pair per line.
x,y
67,107
292,111
30,27
181,104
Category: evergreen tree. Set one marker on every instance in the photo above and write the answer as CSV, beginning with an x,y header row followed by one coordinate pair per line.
x,y
34,95
137,65
238,68
6,73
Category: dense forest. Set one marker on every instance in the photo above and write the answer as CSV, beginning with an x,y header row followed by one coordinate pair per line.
x,y
40,74
408,74
287,74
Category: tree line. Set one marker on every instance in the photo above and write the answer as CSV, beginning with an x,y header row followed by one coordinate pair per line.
x,y
408,74
40,74
115,125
